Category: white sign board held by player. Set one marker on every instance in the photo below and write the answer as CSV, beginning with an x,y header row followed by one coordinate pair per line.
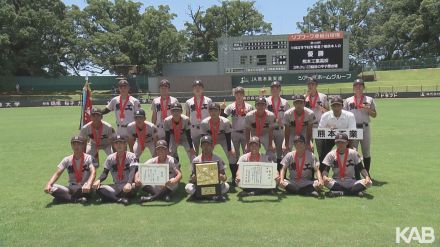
x,y
258,175
324,133
154,174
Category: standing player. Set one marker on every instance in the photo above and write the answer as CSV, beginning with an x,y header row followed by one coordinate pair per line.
x,y
81,175
208,156
141,134
260,122
253,156
343,162
162,192
124,106
120,164
98,133
302,165
238,111
197,109
178,132
363,107
318,103
298,121
219,128
337,118
161,106
278,106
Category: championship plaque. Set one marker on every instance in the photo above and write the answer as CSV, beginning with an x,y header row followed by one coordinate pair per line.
x,y
259,175
154,174
208,183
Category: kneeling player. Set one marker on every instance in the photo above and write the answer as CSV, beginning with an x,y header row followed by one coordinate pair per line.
x,y
162,192
120,164
302,164
253,156
343,162
81,175
208,156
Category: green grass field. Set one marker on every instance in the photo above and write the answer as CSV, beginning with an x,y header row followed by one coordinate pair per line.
x,y
404,162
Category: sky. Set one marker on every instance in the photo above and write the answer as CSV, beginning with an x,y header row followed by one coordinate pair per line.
x,y
283,14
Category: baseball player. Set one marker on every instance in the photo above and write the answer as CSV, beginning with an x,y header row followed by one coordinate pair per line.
x,y
81,172
237,111
98,134
161,192
298,121
178,132
161,106
343,161
318,103
260,122
254,156
302,165
141,134
363,107
208,156
278,106
337,118
196,109
124,106
122,165
220,129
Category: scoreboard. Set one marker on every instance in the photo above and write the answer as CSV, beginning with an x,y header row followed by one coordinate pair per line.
x,y
284,54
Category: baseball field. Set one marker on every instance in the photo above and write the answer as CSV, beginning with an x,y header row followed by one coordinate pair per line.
x,y
405,167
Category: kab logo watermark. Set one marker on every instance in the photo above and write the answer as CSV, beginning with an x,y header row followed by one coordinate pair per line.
x,y
422,235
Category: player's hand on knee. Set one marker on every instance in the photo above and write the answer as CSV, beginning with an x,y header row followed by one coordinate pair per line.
x,y
86,188
285,149
283,184
127,187
97,184
48,188
237,180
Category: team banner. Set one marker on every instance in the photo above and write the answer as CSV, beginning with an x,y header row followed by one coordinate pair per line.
x,y
208,183
258,175
154,174
326,133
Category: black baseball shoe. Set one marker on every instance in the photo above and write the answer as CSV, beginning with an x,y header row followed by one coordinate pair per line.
x,y
123,201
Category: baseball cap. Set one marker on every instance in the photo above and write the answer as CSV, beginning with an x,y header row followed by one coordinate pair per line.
x,y
79,139
254,139
311,80
341,137
161,144
239,90
358,81
275,84
198,83
139,113
214,105
119,138
95,111
260,100
206,139
164,82
299,138
336,100
123,83
298,97
176,106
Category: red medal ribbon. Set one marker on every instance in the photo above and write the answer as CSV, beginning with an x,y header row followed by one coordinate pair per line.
x,y
313,102
209,158
199,107
176,130
78,171
141,135
298,124
120,166
122,108
164,107
254,158
275,109
214,130
299,169
358,106
240,110
97,138
342,166
259,125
